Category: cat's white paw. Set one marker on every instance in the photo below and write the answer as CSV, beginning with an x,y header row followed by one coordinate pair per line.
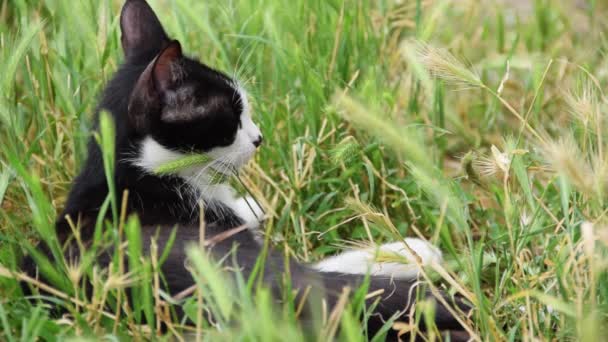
x,y
249,210
364,260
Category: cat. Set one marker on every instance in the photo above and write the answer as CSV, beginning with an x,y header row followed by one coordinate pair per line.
x,y
165,106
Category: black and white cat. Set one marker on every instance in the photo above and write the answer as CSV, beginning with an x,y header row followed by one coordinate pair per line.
x,y
166,105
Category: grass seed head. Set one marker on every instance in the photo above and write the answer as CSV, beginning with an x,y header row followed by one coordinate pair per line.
x,y
442,64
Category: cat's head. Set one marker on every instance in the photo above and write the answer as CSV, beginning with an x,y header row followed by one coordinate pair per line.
x,y
179,105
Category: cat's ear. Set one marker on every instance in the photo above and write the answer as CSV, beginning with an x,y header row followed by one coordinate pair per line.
x,y
161,76
168,69
141,30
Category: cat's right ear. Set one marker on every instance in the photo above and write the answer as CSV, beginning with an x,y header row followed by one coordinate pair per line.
x,y
141,30
162,76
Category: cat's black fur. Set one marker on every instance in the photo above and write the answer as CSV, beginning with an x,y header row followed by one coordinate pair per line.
x,y
137,103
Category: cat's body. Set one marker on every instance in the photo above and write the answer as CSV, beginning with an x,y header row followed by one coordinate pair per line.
x,y
165,106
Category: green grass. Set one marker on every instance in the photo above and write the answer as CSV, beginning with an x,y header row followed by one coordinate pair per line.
x,y
478,126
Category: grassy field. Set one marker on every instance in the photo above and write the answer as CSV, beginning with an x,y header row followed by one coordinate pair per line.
x,y
478,125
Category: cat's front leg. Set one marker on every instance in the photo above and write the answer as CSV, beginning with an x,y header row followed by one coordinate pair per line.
x,y
249,211
245,208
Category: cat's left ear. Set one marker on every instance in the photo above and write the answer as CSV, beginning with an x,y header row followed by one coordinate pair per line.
x,y
141,30
162,75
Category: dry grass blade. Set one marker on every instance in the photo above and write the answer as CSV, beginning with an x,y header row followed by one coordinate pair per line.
x,y
331,327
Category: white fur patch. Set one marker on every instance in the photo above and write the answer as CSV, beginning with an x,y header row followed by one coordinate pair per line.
x,y
363,261
249,210
153,154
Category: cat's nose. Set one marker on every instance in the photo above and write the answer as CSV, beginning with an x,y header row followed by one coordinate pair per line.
x,y
258,141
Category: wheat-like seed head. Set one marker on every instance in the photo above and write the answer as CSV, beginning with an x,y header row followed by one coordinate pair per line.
x,y
442,64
